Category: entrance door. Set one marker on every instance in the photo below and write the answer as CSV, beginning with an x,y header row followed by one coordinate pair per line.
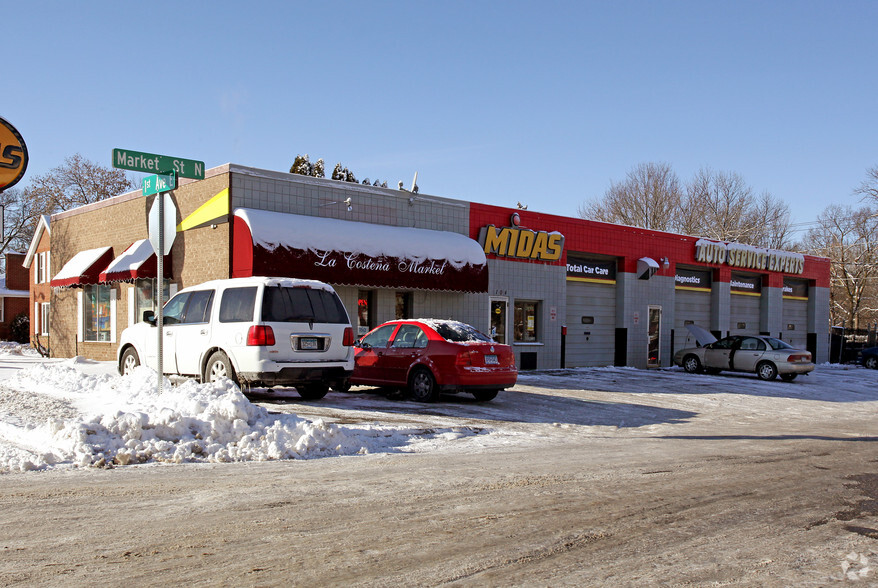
x,y
655,329
499,312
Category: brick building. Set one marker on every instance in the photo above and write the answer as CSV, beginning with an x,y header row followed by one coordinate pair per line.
x,y
553,287
13,295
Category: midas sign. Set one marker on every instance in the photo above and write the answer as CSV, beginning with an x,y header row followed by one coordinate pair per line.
x,y
522,243
13,155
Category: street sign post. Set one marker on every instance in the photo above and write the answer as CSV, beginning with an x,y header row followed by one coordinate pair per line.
x,y
159,183
162,226
151,163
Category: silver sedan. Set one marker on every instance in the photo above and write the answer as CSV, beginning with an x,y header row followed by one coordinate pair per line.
x,y
767,357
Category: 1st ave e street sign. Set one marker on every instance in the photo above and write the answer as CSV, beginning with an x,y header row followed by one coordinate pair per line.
x,y
158,164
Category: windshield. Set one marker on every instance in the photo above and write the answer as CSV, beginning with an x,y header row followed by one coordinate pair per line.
x,y
777,343
457,332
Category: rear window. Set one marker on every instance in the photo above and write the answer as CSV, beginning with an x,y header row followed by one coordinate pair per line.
x,y
289,305
460,333
237,305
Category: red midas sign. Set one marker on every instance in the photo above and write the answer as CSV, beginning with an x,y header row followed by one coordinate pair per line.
x,y
13,155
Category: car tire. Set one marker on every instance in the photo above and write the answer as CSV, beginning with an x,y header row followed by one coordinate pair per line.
x,y
218,366
129,361
692,364
343,386
871,362
312,391
485,395
788,377
422,386
766,371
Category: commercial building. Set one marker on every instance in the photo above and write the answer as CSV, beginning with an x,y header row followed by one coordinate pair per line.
x,y
563,291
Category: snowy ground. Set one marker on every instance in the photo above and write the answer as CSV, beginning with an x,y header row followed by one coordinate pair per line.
x,y
64,413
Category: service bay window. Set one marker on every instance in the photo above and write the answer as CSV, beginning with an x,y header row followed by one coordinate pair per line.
x,y
525,321
97,300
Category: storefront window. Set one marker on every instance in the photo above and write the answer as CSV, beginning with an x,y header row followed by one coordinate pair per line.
x,y
96,312
145,297
403,305
365,320
525,321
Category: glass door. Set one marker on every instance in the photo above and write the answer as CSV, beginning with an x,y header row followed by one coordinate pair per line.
x,y
499,312
655,329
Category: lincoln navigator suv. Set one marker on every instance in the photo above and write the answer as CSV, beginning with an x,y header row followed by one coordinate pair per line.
x,y
257,331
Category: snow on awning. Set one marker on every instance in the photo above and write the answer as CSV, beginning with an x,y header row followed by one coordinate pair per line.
x,y
138,261
646,267
84,267
355,253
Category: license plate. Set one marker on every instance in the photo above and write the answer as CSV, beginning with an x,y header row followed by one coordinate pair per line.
x,y
491,360
308,343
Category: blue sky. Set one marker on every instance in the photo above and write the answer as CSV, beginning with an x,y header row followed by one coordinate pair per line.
x,y
543,102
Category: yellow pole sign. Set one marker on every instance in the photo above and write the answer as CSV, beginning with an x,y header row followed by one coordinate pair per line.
x,y
13,155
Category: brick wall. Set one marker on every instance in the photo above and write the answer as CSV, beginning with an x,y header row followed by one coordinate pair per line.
x,y
197,255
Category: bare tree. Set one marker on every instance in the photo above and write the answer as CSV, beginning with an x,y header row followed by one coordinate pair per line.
x,y
770,219
849,238
649,197
19,219
76,182
722,203
868,188
718,205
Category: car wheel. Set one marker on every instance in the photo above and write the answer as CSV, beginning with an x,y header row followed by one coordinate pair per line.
x,y
342,386
218,366
871,362
130,360
788,377
422,386
485,395
766,371
692,364
312,391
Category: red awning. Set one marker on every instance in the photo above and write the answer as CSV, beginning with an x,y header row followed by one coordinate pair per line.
x,y
352,253
138,261
84,268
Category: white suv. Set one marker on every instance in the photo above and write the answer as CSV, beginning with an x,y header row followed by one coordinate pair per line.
x,y
256,331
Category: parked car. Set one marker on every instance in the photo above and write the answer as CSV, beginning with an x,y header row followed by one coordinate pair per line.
x,y
869,357
768,357
430,356
256,331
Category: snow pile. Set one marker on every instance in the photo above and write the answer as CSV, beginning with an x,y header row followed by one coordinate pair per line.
x,y
123,420
8,348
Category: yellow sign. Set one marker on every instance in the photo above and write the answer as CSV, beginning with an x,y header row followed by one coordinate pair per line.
x,y
522,243
13,155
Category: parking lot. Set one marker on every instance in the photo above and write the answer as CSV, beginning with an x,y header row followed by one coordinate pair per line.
x,y
581,477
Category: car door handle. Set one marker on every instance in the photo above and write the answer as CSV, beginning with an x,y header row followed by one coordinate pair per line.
x,y
204,331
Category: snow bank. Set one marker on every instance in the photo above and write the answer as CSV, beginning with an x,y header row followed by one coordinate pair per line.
x,y
123,420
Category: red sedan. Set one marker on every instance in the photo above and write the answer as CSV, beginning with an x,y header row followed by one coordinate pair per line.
x,y
430,356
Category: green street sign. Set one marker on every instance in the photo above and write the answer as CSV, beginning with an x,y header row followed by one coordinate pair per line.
x,y
152,163
159,183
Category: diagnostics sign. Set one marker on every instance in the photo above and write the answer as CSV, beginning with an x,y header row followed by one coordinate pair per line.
x,y
13,155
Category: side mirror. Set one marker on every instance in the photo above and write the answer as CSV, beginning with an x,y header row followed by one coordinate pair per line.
x,y
362,345
149,317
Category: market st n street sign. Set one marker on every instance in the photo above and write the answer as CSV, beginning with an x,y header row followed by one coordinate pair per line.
x,y
13,155
151,163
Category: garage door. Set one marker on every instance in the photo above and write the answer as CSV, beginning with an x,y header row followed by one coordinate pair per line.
x,y
692,288
689,308
591,311
591,324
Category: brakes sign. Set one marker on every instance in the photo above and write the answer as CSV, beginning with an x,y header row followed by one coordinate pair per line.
x,y
13,155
